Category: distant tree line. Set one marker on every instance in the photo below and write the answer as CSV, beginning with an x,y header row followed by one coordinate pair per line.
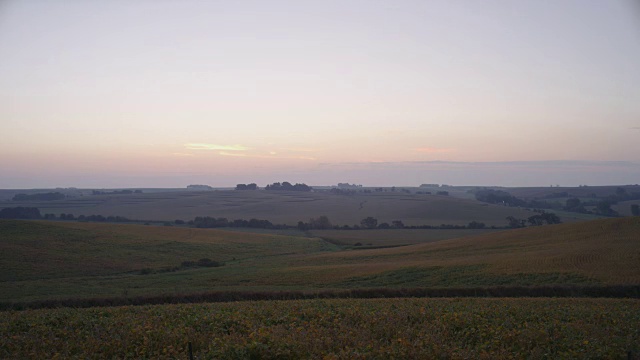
x,y
492,196
348,186
286,186
32,213
211,222
39,197
100,218
600,206
20,213
319,223
251,186
199,187
339,191
115,192
535,220
603,206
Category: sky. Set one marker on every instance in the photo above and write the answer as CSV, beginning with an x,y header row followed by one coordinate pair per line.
x,y
380,93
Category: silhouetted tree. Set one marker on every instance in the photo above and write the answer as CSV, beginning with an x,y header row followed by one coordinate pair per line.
x,y
251,186
209,222
604,208
206,262
635,210
398,224
286,186
515,223
320,223
20,213
476,225
575,205
498,197
369,222
39,197
535,220
550,218
239,223
302,226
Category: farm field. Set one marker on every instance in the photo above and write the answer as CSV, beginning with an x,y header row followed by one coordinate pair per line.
x,y
580,192
540,328
624,207
393,237
285,207
57,260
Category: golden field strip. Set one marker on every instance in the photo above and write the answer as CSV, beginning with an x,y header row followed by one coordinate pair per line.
x,y
332,329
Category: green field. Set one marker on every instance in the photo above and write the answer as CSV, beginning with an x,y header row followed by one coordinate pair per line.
x,y
53,260
332,329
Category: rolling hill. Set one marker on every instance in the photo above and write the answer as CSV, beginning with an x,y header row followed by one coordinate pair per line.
x,y
284,207
46,260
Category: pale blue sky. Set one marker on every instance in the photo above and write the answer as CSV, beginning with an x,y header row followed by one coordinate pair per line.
x,y
166,93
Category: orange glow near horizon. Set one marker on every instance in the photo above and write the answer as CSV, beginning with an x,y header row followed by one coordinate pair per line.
x,y
197,89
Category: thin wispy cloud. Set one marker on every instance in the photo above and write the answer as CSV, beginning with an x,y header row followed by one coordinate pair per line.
x,y
226,153
300,149
564,164
183,154
432,150
202,146
635,128
271,155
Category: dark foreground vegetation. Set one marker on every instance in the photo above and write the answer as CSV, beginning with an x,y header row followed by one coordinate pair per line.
x,y
338,329
618,291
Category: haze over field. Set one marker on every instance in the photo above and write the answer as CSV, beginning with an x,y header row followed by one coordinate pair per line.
x,y
170,93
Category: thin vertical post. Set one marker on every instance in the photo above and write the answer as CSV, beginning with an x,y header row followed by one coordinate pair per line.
x,y
190,351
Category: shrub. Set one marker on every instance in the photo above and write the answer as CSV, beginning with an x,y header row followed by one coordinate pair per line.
x,y
187,264
207,263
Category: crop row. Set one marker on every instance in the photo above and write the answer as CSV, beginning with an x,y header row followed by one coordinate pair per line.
x,y
331,329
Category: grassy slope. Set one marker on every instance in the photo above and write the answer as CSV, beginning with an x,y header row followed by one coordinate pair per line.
x,y
56,260
596,252
393,237
285,207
